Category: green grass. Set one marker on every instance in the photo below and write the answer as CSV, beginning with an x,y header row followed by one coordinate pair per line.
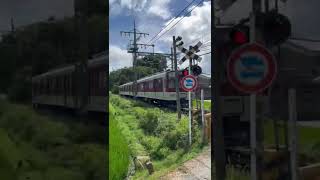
x,y
38,147
307,135
207,104
157,133
308,140
118,149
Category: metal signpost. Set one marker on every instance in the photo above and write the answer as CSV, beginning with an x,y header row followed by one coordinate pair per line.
x,y
251,69
189,83
202,117
292,127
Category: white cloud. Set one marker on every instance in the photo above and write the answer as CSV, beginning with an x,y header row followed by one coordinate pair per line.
x,y
119,6
159,8
119,58
193,28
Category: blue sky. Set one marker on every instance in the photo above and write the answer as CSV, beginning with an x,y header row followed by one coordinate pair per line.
x,y
151,16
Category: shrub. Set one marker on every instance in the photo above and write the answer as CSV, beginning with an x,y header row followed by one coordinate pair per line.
x,y
149,122
139,112
178,137
166,123
162,153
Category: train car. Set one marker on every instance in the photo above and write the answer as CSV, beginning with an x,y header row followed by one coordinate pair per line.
x,y
160,88
63,87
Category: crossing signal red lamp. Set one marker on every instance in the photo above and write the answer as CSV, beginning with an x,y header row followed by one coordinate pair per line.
x,y
239,35
185,72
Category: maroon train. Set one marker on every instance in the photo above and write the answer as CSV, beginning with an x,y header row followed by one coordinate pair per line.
x,y
63,87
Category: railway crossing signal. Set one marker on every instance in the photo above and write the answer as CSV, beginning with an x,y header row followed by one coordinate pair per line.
x,y
185,72
196,70
190,53
276,28
239,35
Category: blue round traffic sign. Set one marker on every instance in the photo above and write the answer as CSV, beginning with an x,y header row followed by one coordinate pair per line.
x,y
251,68
188,83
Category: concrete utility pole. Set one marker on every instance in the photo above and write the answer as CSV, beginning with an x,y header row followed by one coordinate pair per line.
x,y
172,65
81,17
134,50
217,125
190,102
176,75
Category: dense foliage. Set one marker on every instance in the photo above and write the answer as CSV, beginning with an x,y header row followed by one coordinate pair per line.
x,y
36,147
154,132
147,65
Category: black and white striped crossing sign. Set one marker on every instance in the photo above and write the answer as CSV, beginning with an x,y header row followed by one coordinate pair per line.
x,y
190,53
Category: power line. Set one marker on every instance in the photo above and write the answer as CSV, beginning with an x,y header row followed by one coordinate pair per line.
x,y
171,21
202,37
204,54
179,20
305,39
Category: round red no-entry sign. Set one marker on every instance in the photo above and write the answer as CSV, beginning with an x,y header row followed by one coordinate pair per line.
x,y
188,83
251,68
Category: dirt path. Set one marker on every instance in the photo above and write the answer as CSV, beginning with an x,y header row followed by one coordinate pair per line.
x,y
198,168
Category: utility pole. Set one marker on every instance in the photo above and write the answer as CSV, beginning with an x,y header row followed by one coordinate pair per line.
x,y
217,125
81,15
134,50
190,102
174,57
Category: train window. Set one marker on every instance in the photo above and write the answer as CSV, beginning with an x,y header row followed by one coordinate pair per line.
x,y
150,84
155,84
102,79
171,83
47,86
99,79
160,83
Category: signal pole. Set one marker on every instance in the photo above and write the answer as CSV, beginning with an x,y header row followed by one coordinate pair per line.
x,y
255,124
190,102
172,59
134,50
176,79
81,13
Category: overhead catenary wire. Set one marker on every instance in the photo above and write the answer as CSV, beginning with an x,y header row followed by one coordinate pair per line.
x,y
179,20
204,54
199,38
171,21
304,39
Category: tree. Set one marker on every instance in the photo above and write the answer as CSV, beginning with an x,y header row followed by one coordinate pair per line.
x,y
156,61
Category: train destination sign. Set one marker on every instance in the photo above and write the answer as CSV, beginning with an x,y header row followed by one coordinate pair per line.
x,y
251,68
188,83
